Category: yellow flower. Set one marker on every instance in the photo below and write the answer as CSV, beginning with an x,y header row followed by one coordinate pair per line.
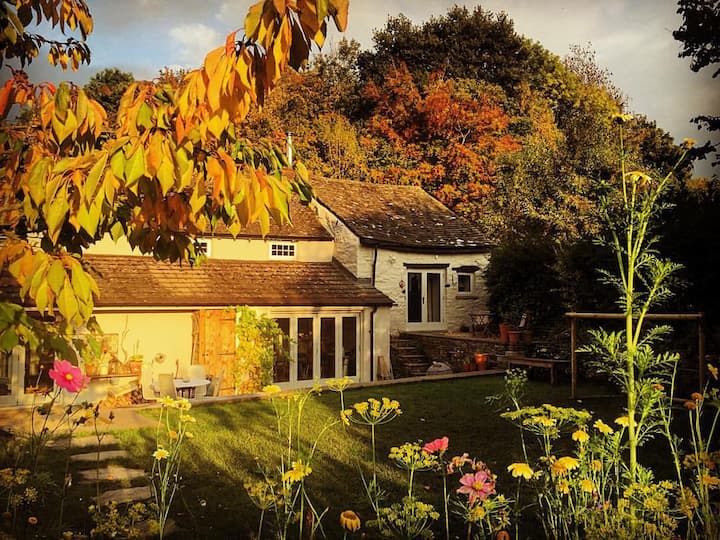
x,y
596,465
713,371
271,389
603,427
563,487
349,521
581,436
688,143
161,453
564,464
361,407
587,485
173,434
521,469
622,421
299,471
711,481
338,385
187,418
189,435
167,401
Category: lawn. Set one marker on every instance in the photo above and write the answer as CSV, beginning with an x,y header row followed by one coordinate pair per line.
x,y
229,438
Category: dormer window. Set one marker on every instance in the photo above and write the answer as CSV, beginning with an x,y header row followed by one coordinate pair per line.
x,y
282,250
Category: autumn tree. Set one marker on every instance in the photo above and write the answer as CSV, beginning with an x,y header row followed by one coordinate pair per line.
x,y
700,36
107,87
172,169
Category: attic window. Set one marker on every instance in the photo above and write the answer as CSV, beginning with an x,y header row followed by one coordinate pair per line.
x,y
282,250
203,247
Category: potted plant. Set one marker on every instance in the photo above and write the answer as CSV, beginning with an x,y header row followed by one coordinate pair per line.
x,y
481,360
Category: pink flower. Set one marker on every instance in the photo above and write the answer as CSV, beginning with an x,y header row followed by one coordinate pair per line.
x,y
438,445
67,376
477,486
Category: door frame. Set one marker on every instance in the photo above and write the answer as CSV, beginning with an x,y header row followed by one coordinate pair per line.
x,y
424,270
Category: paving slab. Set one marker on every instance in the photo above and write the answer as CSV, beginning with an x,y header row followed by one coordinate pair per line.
x,y
124,495
87,441
111,473
105,455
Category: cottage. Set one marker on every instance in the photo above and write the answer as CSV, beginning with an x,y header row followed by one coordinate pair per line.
x,y
361,261
410,247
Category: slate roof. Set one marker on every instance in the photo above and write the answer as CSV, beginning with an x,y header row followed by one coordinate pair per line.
x,y
304,226
400,217
143,281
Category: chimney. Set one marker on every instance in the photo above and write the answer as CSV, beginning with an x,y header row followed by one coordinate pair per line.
x,y
289,148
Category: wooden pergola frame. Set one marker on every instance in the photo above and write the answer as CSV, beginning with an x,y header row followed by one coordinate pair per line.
x,y
573,316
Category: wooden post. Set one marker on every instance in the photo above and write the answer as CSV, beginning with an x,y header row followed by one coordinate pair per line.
x,y
573,359
701,355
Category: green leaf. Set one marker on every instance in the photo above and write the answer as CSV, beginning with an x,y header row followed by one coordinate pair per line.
x,y
144,116
117,231
117,164
42,297
252,19
56,276
37,180
166,175
67,303
93,177
8,340
55,217
134,167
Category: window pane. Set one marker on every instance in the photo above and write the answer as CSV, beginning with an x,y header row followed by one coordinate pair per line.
x,y
414,297
37,368
464,283
5,373
305,349
433,297
327,347
281,368
349,341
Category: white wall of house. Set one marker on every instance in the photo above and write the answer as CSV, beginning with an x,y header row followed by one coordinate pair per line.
x,y
248,249
391,272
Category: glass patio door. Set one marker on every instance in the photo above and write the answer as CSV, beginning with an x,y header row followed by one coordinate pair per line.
x,y
425,299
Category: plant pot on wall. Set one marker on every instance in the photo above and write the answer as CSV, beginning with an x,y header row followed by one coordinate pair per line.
x,y
504,330
481,360
514,337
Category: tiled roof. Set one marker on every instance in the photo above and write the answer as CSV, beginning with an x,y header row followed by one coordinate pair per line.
x,y
305,225
143,281
402,217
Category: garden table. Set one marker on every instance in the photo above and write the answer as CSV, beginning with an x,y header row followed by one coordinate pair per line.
x,y
186,387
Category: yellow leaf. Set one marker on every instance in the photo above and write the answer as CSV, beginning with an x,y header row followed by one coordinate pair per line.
x,y
339,11
134,168
93,177
252,19
67,303
56,276
166,175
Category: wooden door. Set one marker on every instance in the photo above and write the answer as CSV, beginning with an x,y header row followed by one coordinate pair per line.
x,y
215,345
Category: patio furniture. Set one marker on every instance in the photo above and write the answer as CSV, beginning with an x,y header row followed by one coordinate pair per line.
x,y
213,389
548,363
480,323
166,385
197,371
188,387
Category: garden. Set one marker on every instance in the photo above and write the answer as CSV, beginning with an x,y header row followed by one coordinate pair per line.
x,y
472,458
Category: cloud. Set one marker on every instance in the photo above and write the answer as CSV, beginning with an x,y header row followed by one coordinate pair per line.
x,y
194,41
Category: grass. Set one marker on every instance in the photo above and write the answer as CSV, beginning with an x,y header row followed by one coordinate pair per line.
x,y
229,438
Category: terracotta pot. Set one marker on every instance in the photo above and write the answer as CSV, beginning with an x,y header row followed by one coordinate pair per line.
x,y
481,360
90,370
514,337
504,330
526,336
469,366
135,366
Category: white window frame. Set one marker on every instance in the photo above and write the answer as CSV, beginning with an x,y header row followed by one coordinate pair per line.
x,y
281,247
471,277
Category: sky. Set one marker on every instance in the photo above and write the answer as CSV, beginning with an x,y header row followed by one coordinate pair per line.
x,y
632,39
